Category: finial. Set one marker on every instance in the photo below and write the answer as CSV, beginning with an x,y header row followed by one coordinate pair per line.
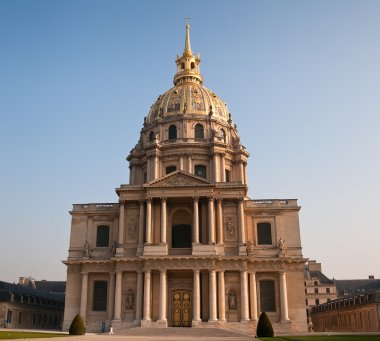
x,y
187,41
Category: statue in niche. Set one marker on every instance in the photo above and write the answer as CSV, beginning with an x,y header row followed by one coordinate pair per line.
x,y
130,300
86,249
232,300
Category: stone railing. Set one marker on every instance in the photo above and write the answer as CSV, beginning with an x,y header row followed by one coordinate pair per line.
x,y
95,207
272,203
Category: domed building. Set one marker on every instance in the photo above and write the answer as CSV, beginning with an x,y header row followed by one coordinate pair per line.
x,y
185,246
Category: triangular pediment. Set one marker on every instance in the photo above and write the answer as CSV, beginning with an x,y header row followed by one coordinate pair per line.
x,y
179,179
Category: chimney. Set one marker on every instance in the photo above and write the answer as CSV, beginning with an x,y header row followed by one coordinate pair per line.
x,y
371,277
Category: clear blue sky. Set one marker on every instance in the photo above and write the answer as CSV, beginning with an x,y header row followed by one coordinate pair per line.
x,y
301,79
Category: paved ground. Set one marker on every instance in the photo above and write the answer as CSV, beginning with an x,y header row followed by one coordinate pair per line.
x,y
153,334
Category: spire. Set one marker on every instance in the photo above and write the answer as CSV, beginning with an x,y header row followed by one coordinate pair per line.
x,y
188,64
187,40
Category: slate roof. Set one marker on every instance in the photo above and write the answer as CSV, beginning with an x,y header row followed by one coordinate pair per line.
x,y
356,286
317,275
6,288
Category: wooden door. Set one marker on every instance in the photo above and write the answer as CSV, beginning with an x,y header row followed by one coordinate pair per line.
x,y
181,302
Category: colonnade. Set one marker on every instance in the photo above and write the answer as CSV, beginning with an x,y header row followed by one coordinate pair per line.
x,y
217,174
215,221
216,296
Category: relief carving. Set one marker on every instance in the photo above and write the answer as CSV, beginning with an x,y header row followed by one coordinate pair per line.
x,y
230,227
130,299
132,226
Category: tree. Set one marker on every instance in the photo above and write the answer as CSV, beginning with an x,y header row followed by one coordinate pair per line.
x,y
77,326
264,326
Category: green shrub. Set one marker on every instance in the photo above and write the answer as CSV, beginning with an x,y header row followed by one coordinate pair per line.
x,y
77,326
264,326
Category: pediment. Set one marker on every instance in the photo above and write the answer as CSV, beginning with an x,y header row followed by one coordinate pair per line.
x,y
179,179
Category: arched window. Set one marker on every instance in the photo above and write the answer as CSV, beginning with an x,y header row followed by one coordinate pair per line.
x,y
199,133
223,135
151,136
172,132
200,170
192,65
264,234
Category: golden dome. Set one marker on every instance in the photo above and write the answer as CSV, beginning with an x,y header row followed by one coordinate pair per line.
x,y
188,96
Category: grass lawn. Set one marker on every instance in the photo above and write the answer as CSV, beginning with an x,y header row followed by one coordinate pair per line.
x,y
7,335
324,338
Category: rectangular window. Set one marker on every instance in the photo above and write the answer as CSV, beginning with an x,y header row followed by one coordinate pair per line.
x,y
200,171
102,236
317,301
267,296
264,234
9,316
315,290
327,290
99,302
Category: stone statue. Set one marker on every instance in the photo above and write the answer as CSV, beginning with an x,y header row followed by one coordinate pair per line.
x,y
86,249
281,244
250,248
113,248
231,301
130,300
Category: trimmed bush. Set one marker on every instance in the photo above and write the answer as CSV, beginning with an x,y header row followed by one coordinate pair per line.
x,y
264,326
77,326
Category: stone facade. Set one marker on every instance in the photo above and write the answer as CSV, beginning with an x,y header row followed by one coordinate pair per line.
x,y
185,246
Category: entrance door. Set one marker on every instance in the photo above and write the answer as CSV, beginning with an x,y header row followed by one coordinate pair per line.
x,y
181,301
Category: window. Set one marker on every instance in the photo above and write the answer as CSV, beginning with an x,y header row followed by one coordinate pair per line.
x,y
317,301
9,316
307,302
199,133
200,171
315,282
227,175
102,236
99,302
170,169
327,290
151,136
181,236
223,135
315,290
192,65
264,234
267,296
172,132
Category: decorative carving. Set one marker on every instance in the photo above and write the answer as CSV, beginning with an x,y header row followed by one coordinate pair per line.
x,y
132,226
230,227
281,247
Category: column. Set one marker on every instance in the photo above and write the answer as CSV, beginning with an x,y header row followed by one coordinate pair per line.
x,y
111,296
244,296
83,295
121,222
148,168
162,299
241,221
223,168
156,168
180,162
219,216
221,297
253,295
196,221
141,223
147,293
119,277
189,164
211,221
163,220
245,173
148,237
212,296
241,171
130,174
196,297
215,166
139,296
283,297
